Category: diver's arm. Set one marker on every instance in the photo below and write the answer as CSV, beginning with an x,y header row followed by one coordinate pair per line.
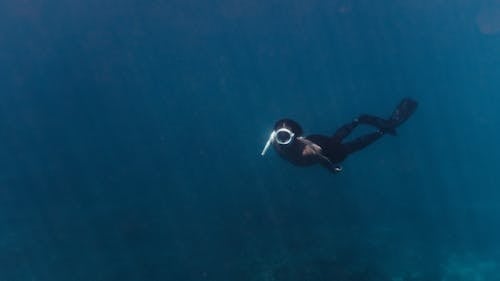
x,y
329,165
310,147
313,149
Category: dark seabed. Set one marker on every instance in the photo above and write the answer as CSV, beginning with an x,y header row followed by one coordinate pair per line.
x,y
131,132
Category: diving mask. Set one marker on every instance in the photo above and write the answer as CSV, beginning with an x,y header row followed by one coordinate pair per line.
x,y
282,136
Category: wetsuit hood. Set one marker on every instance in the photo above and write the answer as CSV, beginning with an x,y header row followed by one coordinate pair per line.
x,y
289,124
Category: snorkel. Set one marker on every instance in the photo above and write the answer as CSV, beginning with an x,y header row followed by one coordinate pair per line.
x,y
268,143
274,137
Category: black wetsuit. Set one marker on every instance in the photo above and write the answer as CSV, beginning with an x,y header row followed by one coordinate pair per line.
x,y
334,149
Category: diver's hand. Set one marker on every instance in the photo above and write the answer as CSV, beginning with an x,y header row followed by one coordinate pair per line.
x,y
311,149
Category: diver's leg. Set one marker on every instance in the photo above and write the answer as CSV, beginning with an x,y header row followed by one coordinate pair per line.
x,y
362,142
345,130
403,111
380,123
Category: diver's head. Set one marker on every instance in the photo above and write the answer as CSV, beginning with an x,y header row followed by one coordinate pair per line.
x,y
284,133
289,124
286,130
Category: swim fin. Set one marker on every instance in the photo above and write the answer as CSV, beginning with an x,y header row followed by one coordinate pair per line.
x,y
388,126
403,111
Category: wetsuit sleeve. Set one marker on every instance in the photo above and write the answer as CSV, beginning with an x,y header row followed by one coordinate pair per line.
x,y
327,163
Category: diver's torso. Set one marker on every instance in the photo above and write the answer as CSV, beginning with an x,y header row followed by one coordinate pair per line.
x,y
293,153
335,151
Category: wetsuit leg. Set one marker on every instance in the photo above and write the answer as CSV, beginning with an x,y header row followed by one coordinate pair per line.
x,y
403,111
361,142
344,131
380,123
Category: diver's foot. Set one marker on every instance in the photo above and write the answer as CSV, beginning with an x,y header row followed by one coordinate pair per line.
x,y
384,126
390,131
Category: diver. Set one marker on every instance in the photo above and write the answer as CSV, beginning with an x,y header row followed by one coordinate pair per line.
x,y
288,140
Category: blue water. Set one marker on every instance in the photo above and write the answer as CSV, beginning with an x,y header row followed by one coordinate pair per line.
x,y
131,133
